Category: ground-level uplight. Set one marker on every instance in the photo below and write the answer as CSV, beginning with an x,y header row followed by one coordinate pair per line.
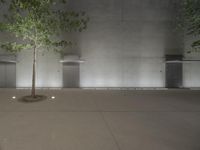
x,y
53,97
14,97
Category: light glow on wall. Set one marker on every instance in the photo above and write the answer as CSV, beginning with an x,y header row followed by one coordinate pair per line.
x,y
48,73
132,72
191,74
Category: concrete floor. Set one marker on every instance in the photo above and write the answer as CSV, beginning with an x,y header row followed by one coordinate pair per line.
x,y
101,120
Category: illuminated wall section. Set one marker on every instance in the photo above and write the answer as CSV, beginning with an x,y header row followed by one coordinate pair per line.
x,y
126,42
191,74
132,72
49,70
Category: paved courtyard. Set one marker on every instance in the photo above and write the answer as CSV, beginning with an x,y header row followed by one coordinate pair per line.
x,y
101,120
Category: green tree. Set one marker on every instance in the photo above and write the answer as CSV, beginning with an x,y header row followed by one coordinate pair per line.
x,y
189,19
36,24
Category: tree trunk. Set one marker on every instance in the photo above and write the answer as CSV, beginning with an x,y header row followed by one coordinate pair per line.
x,y
34,75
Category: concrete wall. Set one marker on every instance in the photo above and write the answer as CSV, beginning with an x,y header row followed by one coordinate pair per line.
x,y
49,70
126,42
191,70
124,46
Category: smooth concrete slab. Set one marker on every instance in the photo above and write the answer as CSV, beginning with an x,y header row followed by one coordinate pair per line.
x,y
65,100
101,100
54,131
155,130
101,120
181,100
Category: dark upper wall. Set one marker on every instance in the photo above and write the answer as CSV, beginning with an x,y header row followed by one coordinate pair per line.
x,y
143,27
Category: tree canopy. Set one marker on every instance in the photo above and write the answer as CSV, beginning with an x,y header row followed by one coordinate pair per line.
x,y
36,22
190,19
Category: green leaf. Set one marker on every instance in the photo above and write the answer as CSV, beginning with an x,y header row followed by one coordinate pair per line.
x,y
14,47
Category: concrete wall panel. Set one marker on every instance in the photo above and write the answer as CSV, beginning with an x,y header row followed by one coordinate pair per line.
x,y
49,70
124,46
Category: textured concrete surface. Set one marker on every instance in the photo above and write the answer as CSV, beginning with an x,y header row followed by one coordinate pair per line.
x,y
124,46
101,120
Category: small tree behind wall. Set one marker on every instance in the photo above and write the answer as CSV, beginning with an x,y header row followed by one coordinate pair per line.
x,y
35,24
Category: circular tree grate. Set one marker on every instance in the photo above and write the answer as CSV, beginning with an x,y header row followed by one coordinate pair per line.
x,y
31,99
